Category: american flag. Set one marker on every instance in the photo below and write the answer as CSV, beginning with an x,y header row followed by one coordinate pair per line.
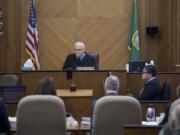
x,y
32,37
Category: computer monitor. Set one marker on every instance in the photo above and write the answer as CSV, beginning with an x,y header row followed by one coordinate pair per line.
x,y
137,65
12,94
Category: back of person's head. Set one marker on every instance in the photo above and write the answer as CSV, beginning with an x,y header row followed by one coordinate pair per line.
x,y
112,83
174,118
46,86
151,69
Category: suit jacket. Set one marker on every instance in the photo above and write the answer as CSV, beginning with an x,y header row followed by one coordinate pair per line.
x,y
72,62
4,122
151,91
109,93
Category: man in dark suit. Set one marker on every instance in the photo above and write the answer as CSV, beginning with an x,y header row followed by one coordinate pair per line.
x,y
111,85
152,88
79,58
4,122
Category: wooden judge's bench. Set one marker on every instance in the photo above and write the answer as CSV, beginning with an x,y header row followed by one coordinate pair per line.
x,y
89,85
90,80
93,80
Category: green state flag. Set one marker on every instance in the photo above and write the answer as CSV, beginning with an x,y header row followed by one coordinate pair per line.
x,y
134,34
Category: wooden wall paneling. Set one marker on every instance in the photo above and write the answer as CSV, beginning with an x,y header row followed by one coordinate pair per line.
x,y
83,80
31,79
148,12
2,39
12,43
135,83
178,33
57,27
56,41
95,80
142,27
100,24
174,34
105,8
107,37
104,26
165,55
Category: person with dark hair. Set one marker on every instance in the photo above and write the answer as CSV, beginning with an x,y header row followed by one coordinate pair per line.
x,y
4,122
152,87
46,86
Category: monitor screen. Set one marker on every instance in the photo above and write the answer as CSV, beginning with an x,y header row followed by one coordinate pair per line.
x,y
137,65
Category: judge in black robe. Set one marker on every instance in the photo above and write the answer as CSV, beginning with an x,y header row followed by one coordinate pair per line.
x,y
79,58
72,62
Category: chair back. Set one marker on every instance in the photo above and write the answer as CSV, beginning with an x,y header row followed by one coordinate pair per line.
x,y
166,91
8,80
112,112
96,59
41,115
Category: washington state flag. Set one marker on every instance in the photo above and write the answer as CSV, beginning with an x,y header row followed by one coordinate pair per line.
x,y
134,34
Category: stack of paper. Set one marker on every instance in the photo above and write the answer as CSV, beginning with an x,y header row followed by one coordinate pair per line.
x,y
12,121
86,122
150,123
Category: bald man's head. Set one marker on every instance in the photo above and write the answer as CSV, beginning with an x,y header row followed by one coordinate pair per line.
x,y
79,48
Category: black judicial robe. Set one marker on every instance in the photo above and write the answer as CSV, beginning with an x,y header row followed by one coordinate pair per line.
x,y
72,62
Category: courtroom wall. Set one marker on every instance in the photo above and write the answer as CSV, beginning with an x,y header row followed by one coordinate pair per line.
x,y
102,25
10,47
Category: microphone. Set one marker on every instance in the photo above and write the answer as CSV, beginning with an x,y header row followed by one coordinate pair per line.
x,y
69,74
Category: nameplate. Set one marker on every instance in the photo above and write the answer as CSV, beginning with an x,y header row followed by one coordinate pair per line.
x,y
85,68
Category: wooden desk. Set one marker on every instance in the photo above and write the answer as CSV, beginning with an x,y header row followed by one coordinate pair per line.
x,y
82,79
78,103
75,131
141,130
78,93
